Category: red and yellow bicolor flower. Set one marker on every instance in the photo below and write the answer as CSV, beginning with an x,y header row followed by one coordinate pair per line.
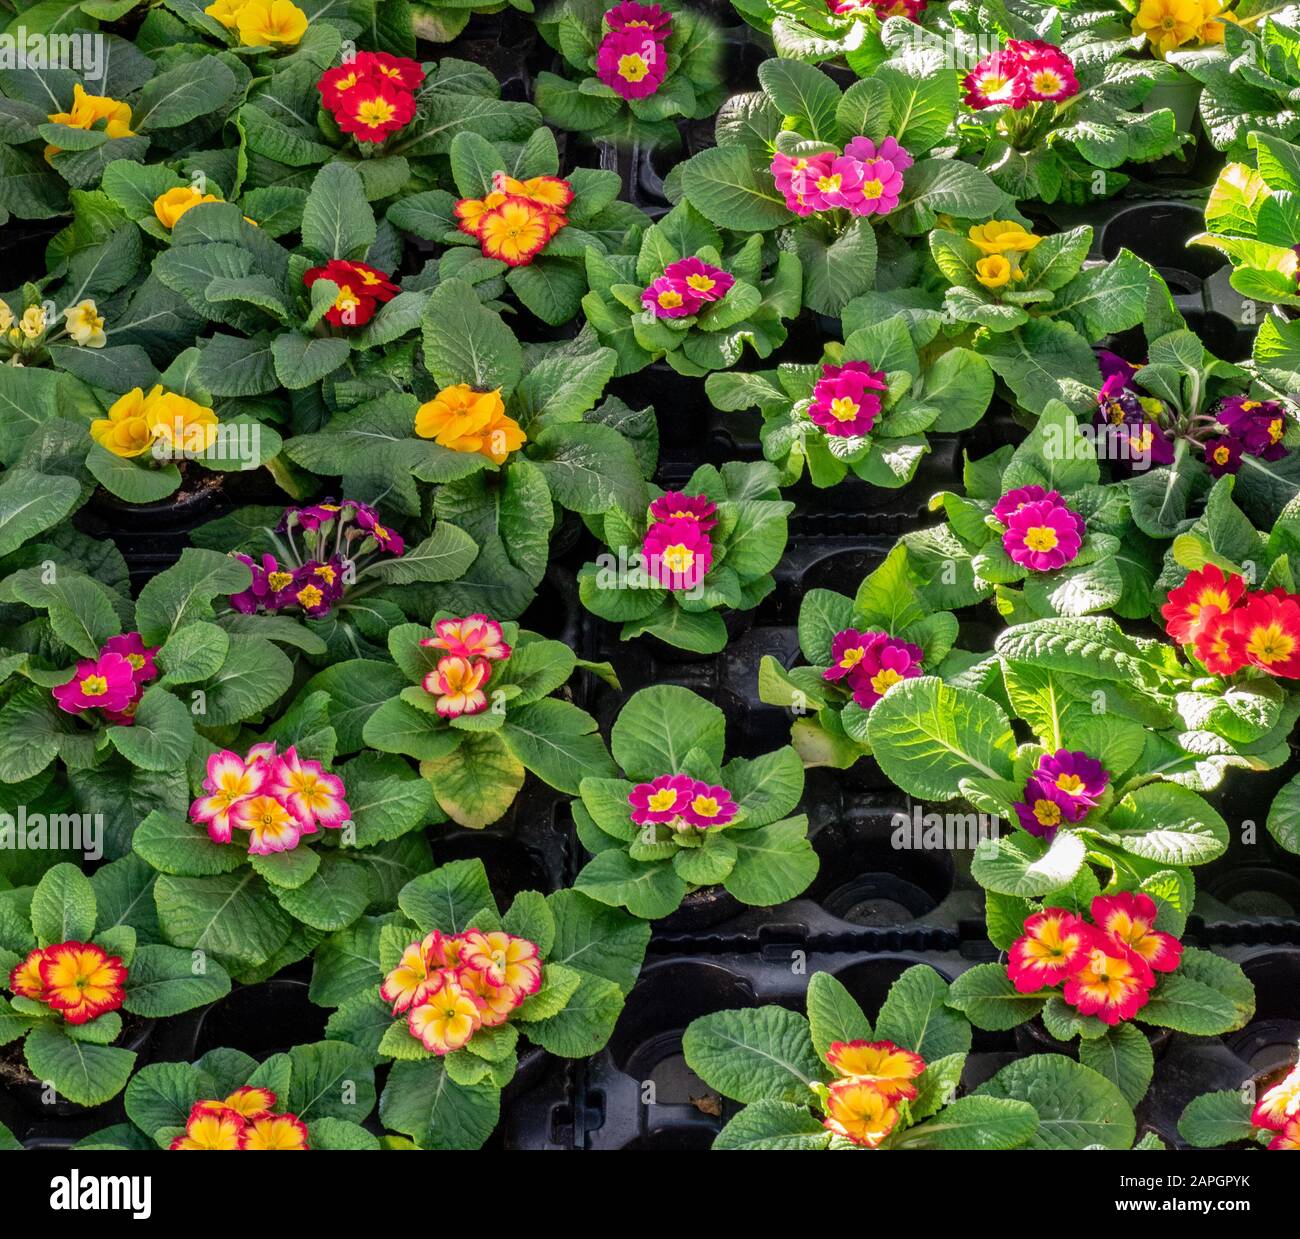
x,y
82,981
210,1130
890,1068
247,1102
284,1132
446,1020
412,981
857,1110
1054,944
1288,1137
1113,983
1280,1105
498,1000
505,960
1130,918
475,636
25,979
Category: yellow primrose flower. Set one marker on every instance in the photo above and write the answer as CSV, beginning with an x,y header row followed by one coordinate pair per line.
x,y
125,431
1168,24
1001,236
185,427
265,23
6,316
32,323
1213,18
226,12
85,324
88,110
169,207
993,271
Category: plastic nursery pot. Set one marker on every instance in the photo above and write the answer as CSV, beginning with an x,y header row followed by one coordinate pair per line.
x,y
20,1086
22,249
864,880
1268,1042
264,1019
504,43
1033,1038
868,980
1181,98
1158,232
701,909
151,536
555,611
645,1096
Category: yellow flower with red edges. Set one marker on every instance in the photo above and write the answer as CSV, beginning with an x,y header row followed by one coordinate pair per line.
x,y
211,1130
82,981
465,420
446,1021
248,1102
282,1132
412,981
858,1111
1054,944
887,1066
457,683
1130,918
25,979
515,221
1280,1105
498,1000
474,636
469,211
1113,983
1288,1137
504,960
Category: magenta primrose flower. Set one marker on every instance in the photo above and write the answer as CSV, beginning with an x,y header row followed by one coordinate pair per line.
x,y
865,149
677,505
631,16
709,805
796,176
1044,535
106,682
132,647
707,282
880,187
1026,71
848,649
661,800
845,400
1223,455
886,662
632,62
1014,500
678,553
1063,788
669,298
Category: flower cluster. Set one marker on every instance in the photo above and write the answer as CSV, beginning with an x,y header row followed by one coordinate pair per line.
x,y
261,23
362,289
866,179
911,9
872,1077
244,1120
1231,628
632,59
315,579
371,95
1131,420
1063,788
1108,966
79,980
1169,24
1252,427
517,219
681,803
464,420
450,985
845,401
1003,242
277,797
677,550
1278,1110
113,681
459,680
26,334
1025,71
685,288
162,422
1042,533
871,663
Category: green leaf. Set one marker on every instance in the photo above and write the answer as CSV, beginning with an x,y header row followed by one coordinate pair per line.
x,y
421,1100
734,189
988,998
658,726
233,916
163,982
764,1053
161,734
81,1071
337,221
773,863
1217,1118
63,906
175,845
447,898
915,1016
184,593
465,342
834,1014
974,1123
773,1125
1123,1055
1077,1108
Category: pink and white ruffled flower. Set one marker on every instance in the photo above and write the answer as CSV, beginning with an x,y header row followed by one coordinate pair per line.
x,y
271,826
475,636
997,79
457,683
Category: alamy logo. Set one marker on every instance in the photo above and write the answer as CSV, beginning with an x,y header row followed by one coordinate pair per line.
x,y
123,1193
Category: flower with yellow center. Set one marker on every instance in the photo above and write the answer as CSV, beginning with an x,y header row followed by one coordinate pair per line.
x,y
33,322
270,23
1168,24
464,420
1213,20
169,207
1041,538
88,110
181,426
844,408
126,430
633,67
1269,644
884,679
226,12
514,231
993,271
678,558
1002,236
85,324
6,316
